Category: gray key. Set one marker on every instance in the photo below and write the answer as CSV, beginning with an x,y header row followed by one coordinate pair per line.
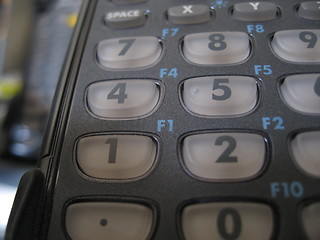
x,y
212,48
255,11
300,46
310,10
226,156
108,220
123,99
129,53
220,95
302,93
227,221
116,157
125,19
189,14
310,216
305,151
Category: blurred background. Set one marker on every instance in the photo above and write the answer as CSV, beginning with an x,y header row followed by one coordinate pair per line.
x,y
34,38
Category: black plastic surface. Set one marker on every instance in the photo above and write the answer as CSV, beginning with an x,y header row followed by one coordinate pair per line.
x,y
169,186
23,221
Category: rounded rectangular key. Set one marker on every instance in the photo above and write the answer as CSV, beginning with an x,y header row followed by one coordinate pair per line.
x,y
228,220
226,156
297,46
305,148
220,95
302,93
123,99
310,10
189,14
116,157
255,11
129,53
211,48
108,220
310,220
125,18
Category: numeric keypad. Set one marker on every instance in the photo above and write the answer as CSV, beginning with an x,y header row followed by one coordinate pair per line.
x,y
201,110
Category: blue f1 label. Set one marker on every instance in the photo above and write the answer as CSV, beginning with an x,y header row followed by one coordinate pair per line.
x,y
165,125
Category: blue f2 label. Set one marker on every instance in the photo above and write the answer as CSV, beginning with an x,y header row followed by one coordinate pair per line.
x,y
275,123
